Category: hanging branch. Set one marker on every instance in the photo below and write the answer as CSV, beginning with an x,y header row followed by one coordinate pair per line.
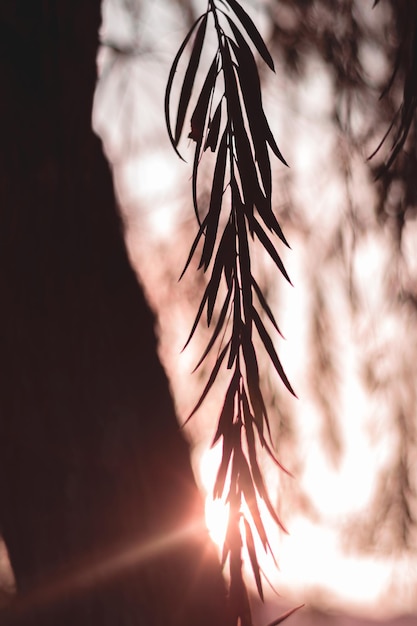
x,y
228,118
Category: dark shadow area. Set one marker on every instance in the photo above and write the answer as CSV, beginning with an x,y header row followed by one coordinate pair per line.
x,y
93,469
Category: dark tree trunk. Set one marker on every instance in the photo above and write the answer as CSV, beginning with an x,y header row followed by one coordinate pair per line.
x,y
96,486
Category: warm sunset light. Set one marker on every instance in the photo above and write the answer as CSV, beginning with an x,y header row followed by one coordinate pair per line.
x,y
81,576
338,440
312,556
306,352
217,511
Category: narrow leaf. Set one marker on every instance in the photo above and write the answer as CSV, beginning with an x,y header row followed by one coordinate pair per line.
x,y
195,177
210,381
265,305
189,78
271,222
265,445
255,469
217,328
199,116
269,347
245,163
269,247
214,129
224,466
244,262
197,238
197,317
219,263
252,374
271,140
225,424
248,489
171,80
198,123
237,324
253,32
216,200
250,544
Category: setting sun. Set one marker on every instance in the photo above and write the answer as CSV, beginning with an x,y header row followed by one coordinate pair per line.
x,y
217,511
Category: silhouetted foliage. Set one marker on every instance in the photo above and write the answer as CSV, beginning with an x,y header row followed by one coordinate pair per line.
x,y
228,118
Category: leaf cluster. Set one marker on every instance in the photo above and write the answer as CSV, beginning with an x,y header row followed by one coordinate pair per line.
x,y
227,118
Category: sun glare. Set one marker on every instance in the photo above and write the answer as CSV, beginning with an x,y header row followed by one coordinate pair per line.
x,y
217,516
216,511
310,561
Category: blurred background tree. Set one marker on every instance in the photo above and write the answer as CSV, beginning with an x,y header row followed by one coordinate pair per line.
x,y
345,80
